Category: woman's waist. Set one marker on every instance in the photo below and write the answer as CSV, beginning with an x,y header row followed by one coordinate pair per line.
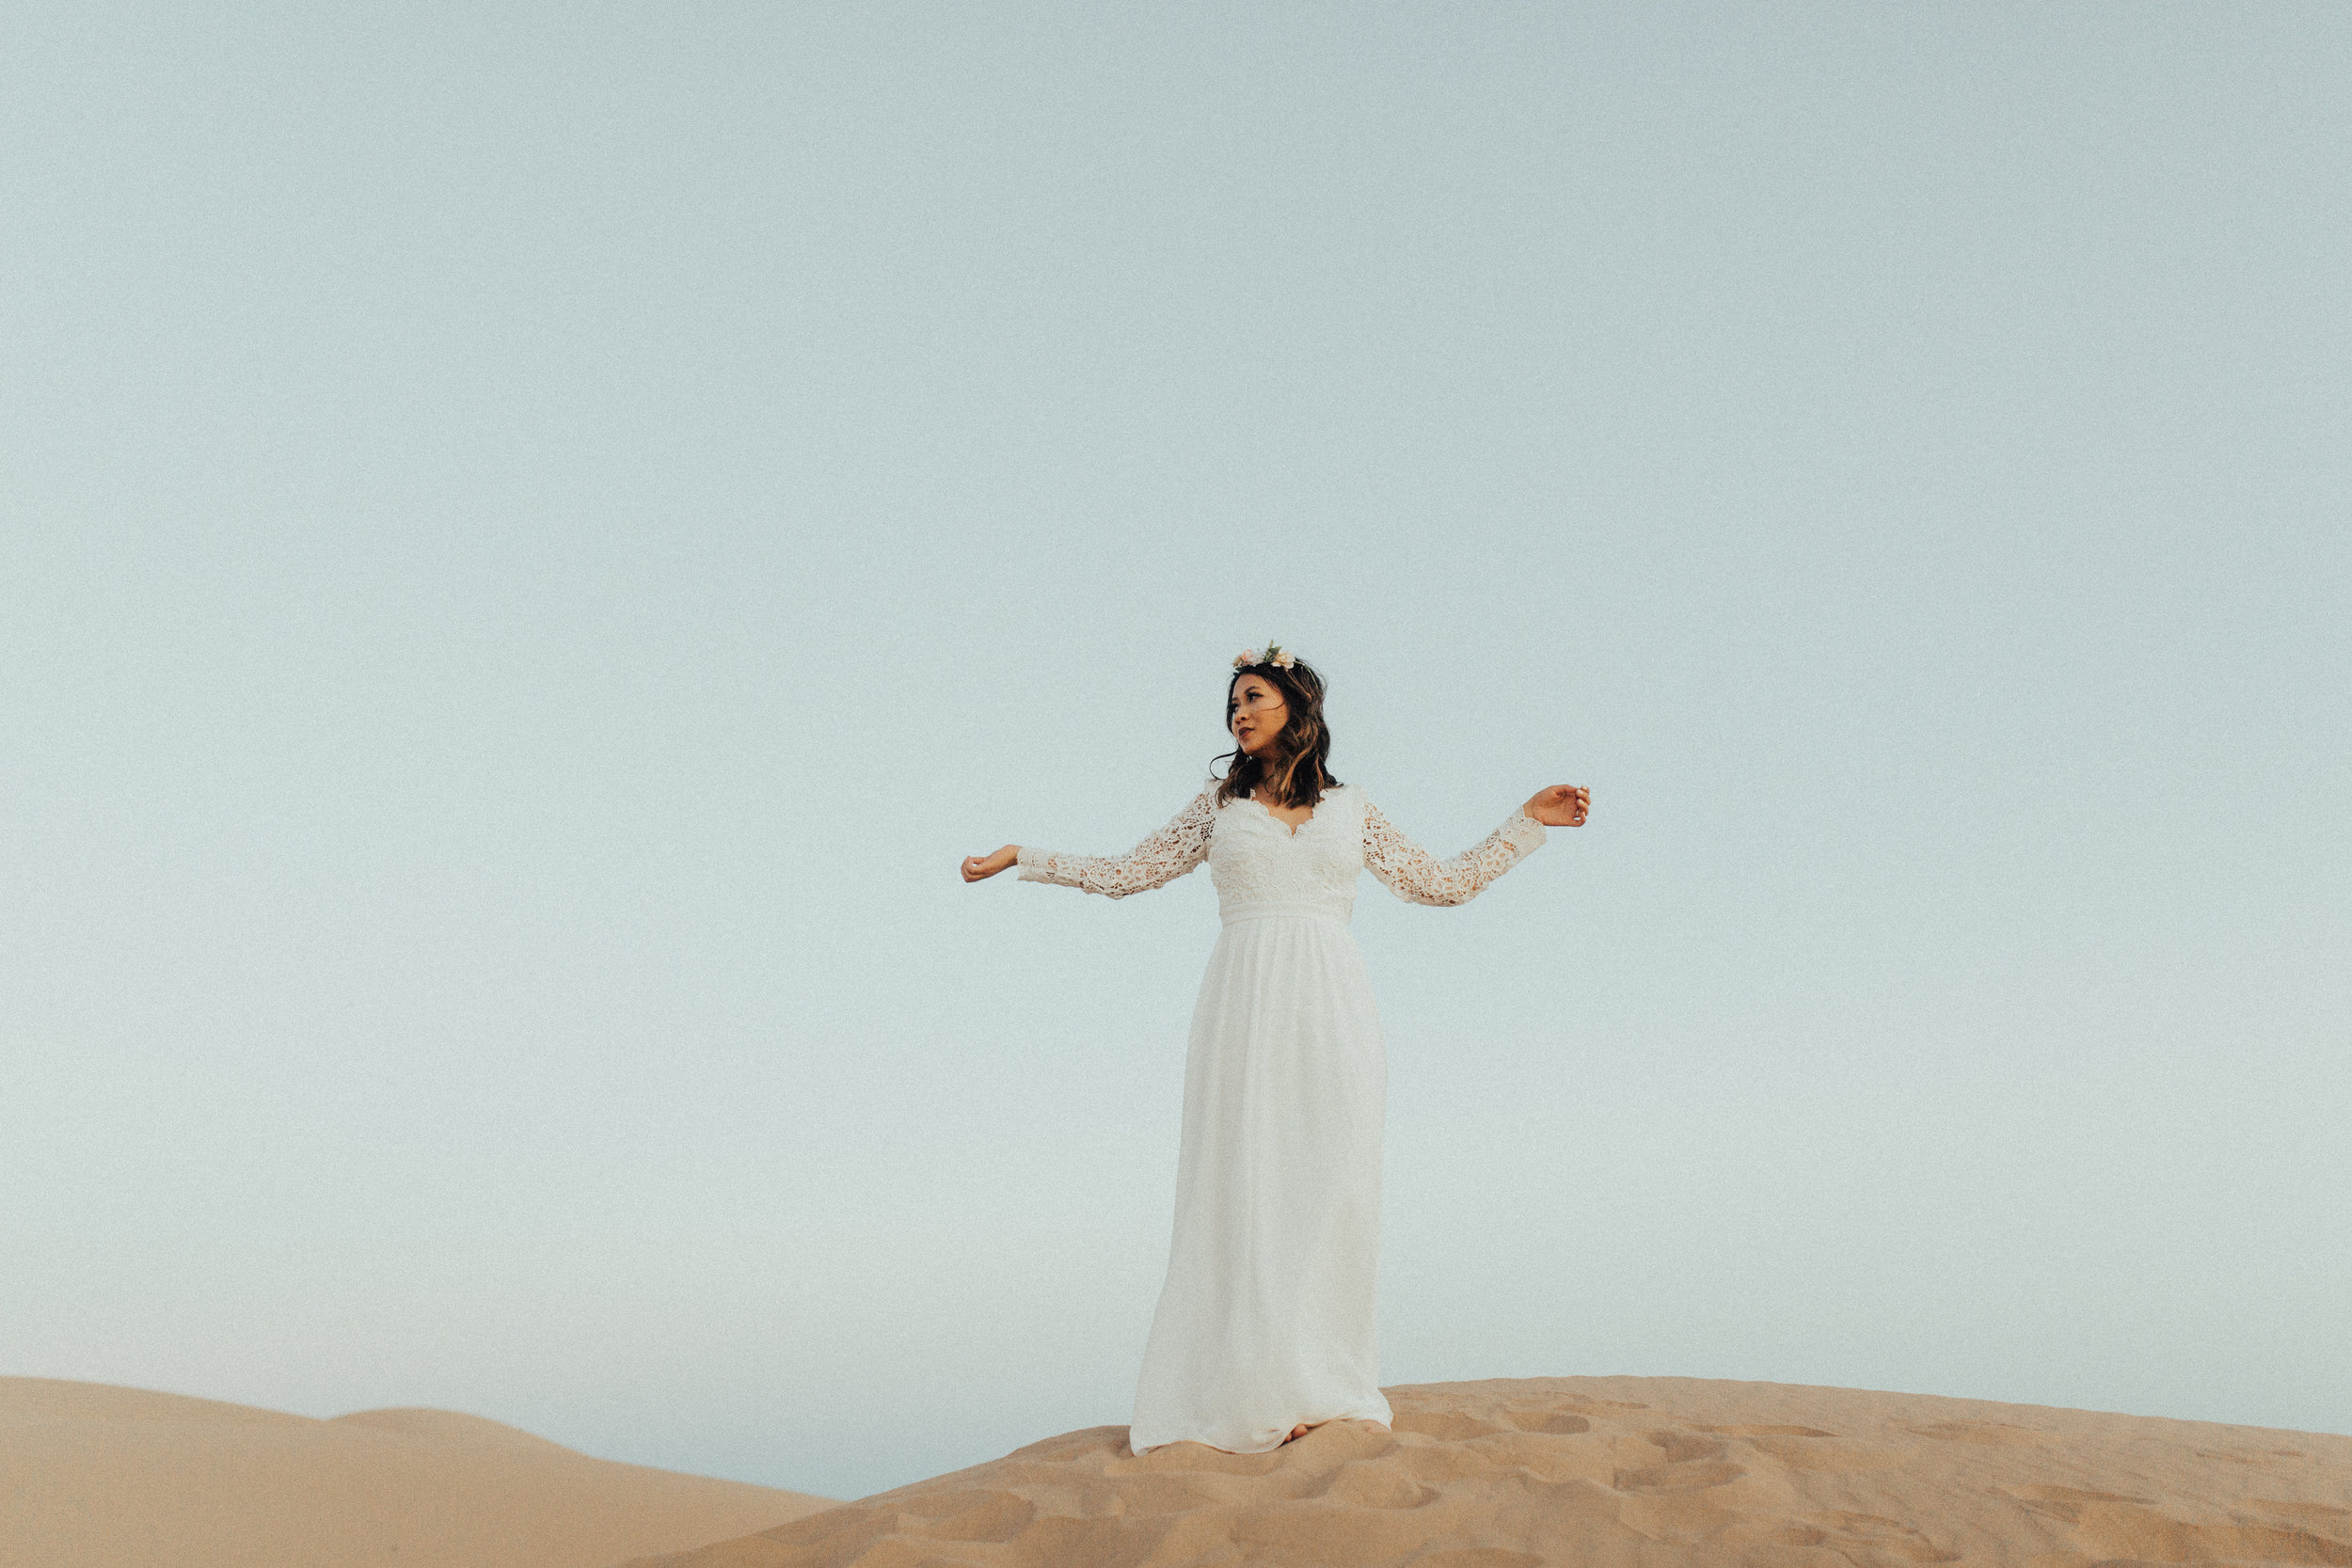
x,y
1235,911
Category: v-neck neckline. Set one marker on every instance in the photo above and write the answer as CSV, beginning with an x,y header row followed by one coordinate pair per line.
x,y
1291,831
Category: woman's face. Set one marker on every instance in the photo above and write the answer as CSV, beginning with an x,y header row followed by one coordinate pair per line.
x,y
1255,712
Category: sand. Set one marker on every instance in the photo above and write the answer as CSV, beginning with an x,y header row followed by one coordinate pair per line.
x,y
1620,1471
93,1475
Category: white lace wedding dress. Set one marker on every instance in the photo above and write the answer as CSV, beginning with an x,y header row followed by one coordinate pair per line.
x,y
1266,1318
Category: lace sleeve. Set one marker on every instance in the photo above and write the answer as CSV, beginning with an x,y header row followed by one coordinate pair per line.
x,y
1412,873
1159,860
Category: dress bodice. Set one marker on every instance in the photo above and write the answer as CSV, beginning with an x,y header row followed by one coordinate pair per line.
x,y
1262,867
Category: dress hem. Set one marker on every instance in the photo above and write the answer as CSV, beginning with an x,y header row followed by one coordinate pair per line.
x,y
1384,1415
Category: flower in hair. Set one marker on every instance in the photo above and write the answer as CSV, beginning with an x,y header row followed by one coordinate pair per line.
x,y
1245,659
1281,656
1276,654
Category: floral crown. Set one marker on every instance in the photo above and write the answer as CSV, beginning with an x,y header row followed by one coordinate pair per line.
x,y
1276,654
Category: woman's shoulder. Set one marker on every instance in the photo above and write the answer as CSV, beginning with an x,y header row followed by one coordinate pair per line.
x,y
1350,796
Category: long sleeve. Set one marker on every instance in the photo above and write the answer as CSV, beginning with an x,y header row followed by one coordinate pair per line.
x,y
1413,873
1159,860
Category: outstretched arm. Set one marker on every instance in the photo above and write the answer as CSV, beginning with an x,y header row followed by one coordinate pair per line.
x,y
1159,860
1413,873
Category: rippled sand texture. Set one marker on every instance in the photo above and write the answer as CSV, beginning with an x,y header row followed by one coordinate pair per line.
x,y
95,1476
1596,1471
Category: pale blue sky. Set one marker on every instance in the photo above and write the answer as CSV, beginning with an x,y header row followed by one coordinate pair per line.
x,y
535,537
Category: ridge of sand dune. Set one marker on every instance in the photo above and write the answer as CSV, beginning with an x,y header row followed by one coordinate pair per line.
x,y
97,1476
1525,1473
448,1426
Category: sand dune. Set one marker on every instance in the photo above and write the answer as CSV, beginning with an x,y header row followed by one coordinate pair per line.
x,y
1621,1471
93,1475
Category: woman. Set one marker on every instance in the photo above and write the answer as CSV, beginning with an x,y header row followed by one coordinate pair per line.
x,y
1265,1325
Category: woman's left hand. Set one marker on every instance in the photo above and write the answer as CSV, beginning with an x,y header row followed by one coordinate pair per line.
x,y
1561,806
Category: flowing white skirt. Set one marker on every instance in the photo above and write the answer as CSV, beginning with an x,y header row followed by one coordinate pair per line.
x,y
1267,1316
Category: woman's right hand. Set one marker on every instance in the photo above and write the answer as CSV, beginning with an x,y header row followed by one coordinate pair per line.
x,y
979,868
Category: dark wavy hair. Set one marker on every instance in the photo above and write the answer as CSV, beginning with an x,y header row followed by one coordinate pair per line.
x,y
1298,775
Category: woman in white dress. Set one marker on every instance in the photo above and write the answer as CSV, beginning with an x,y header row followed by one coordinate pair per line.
x,y
1266,1323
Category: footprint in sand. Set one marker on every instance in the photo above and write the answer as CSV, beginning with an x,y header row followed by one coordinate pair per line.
x,y
1681,1448
1551,1423
1803,1448
1447,1426
1370,1483
2119,1529
1691,1464
1878,1537
2067,1502
1693,1477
